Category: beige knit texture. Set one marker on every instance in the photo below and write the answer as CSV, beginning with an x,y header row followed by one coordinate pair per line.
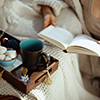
x,y
67,82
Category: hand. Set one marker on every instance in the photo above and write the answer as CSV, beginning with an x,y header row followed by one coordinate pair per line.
x,y
49,18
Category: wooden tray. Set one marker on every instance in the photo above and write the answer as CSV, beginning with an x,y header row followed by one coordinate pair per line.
x,y
36,78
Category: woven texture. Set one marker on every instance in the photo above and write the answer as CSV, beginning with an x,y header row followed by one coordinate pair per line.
x,y
67,82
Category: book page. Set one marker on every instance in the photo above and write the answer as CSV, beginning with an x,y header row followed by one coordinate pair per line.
x,y
57,36
84,43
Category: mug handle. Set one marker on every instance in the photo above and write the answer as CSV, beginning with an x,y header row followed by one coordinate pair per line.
x,y
45,56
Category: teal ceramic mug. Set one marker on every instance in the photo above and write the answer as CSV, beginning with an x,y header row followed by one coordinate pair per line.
x,y
31,51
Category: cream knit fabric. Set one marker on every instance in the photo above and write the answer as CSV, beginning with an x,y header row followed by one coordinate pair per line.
x,y
57,5
67,82
90,67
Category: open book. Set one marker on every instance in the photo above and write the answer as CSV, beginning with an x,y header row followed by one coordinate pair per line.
x,y
81,44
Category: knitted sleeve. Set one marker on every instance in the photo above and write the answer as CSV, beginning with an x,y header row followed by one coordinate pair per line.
x,y
56,5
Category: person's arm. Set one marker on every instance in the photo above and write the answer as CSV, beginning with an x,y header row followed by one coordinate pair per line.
x,y
50,9
49,17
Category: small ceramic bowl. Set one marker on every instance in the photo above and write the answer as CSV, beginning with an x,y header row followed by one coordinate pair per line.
x,y
6,63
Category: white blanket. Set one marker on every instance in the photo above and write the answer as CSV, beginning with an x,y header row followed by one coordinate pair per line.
x,y
23,22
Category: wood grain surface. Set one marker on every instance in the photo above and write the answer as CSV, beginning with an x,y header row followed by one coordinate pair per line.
x,y
8,98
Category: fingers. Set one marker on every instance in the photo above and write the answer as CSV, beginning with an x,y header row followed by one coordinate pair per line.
x,y
46,21
49,20
52,22
98,42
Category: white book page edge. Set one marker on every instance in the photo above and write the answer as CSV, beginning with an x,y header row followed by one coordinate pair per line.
x,y
86,42
55,33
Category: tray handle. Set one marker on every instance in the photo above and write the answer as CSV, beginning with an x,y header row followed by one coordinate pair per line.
x,y
42,77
